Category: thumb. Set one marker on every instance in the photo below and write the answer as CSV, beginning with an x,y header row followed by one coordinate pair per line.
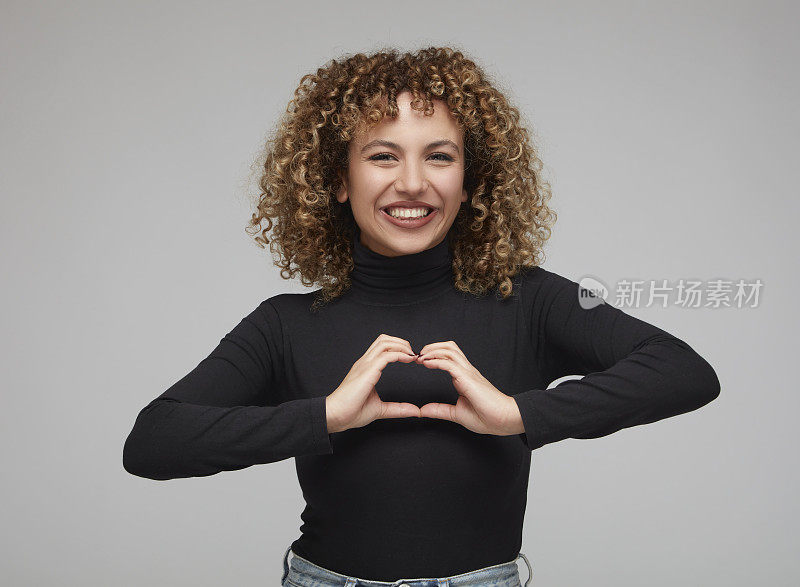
x,y
439,411
398,410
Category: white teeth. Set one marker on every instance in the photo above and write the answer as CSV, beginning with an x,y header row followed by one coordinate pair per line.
x,y
407,212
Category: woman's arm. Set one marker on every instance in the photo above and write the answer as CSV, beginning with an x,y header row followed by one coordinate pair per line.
x,y
226,414
634,373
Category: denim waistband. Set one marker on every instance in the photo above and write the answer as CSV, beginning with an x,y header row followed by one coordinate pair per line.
x,y
319,572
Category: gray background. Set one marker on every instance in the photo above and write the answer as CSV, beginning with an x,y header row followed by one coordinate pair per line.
x,y
669,132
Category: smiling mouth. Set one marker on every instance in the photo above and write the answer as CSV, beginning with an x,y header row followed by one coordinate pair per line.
x,y
402,208
402,216
410,221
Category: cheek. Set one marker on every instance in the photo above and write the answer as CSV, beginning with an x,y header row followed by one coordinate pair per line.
x,y
368,186
451,185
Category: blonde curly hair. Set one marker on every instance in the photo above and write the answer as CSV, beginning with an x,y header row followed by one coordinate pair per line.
x,y
500,229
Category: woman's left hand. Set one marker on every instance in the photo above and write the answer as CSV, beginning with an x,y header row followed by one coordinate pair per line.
x,y
481,407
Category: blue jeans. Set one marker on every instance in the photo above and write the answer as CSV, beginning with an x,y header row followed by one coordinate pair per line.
x,y
304,573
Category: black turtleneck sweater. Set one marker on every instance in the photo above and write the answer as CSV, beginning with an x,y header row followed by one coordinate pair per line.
x,y
414,497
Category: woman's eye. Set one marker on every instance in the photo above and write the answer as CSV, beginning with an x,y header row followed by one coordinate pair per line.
x,y
382,156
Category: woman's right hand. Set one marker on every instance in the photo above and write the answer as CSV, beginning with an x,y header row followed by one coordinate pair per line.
x,y
355,402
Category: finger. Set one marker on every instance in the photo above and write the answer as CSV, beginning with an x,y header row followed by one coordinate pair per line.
x,y
390,346
448,344
390,356
443,364
389,338
399,344
452,346
445,353
398,410
439,412
430,346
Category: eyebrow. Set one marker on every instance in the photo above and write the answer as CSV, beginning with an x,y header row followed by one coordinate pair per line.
x,y
391,145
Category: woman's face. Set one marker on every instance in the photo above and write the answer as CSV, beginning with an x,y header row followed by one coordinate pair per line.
x,y
413,161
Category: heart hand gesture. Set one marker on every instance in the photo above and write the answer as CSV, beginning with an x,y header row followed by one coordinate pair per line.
x,y
355,402
481,407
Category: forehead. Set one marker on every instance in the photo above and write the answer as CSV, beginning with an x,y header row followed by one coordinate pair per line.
x,y
414,125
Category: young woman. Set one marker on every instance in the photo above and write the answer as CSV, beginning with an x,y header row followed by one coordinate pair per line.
x,y
412,386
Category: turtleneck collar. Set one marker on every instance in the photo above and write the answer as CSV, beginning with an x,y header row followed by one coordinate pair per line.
x,y
406,279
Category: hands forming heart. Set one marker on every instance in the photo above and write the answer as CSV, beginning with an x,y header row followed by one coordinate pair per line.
x,y
481,407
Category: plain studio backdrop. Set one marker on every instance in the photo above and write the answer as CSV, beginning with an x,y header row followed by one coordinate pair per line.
x,y
669,132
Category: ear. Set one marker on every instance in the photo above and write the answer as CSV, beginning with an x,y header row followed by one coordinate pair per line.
x,y
464,195
341,193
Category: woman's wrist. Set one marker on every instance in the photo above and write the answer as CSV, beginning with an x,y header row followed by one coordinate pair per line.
x,y
330,417
515,425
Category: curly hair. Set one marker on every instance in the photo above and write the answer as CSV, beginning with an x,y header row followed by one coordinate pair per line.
x,y
502,227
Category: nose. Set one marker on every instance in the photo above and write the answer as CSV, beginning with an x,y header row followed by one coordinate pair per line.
x,y
411,179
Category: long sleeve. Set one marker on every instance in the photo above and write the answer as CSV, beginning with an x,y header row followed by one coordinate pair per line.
x,y
634,373
227,413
